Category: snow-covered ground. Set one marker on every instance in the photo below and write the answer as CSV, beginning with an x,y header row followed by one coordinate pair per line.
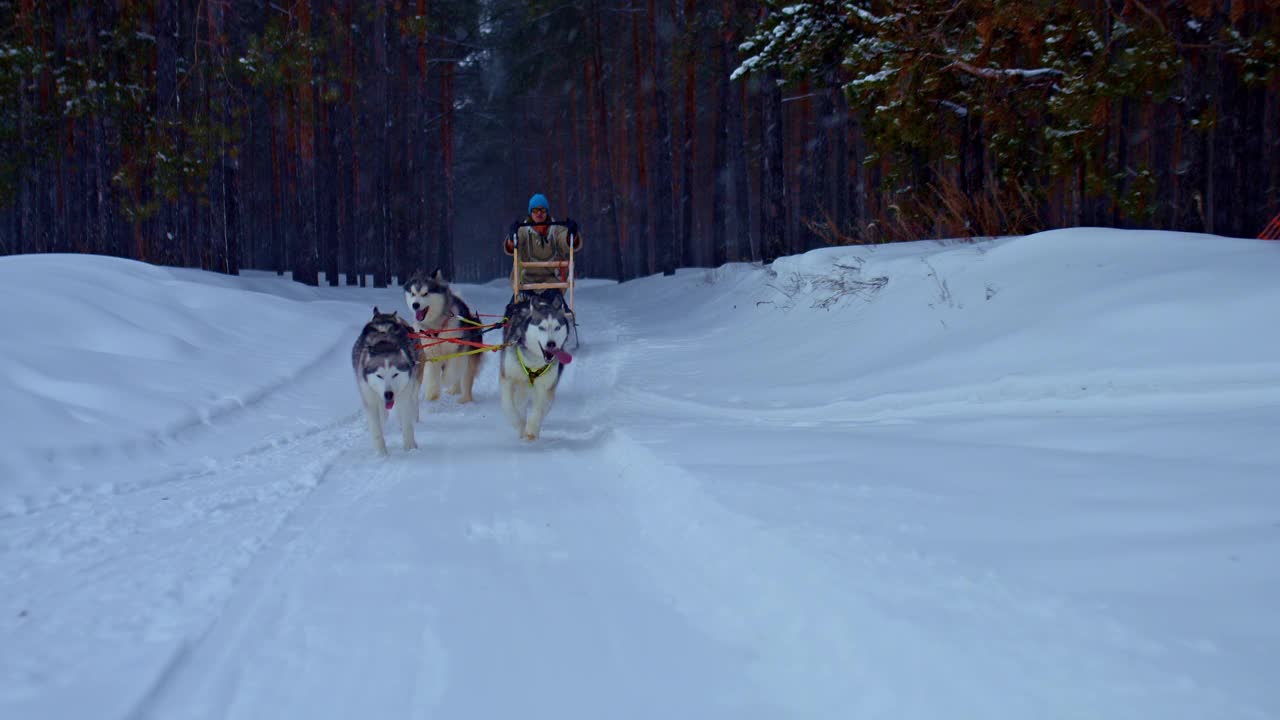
x,y
1034,477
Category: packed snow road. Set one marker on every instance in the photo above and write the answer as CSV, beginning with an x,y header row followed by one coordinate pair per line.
x,y
649,557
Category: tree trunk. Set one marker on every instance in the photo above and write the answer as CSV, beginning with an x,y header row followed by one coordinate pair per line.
x,y
424,169
736,127
305,251
99,223
840,154
353,213
371,105
686,250
773,191
26,220
665,230
381,147
329,198
404,251
165,226
57,217
444,250
612,241
821,189
28,181
719,164
641,194
281,258
221,204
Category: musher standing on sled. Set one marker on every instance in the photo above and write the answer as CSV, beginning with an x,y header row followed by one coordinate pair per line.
x,y
538,242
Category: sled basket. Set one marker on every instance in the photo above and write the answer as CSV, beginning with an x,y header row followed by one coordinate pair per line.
x,y
565,266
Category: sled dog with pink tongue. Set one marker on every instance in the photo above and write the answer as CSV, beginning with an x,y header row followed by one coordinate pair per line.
x,y
533,360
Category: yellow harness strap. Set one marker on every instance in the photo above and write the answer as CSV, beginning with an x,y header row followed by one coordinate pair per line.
x,y
531,374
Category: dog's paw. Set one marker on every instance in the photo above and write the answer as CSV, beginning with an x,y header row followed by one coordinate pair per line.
x,y
465,399
528,436
412,445
433,396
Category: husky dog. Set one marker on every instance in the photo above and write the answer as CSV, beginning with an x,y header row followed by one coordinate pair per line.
x,y
533,357
442,314
386,365
556,297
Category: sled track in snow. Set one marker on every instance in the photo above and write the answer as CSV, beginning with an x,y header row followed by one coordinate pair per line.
x,y
212,651
153,565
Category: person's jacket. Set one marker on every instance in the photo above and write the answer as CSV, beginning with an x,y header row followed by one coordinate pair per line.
x,y
534,246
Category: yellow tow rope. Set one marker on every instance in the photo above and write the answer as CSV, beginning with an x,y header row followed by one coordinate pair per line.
x,y
477,350
487,348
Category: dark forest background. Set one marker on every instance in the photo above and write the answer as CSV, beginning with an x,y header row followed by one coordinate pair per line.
x,y
347,139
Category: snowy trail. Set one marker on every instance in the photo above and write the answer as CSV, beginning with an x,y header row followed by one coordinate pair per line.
x,y
592,574
135,570
437,584
410,596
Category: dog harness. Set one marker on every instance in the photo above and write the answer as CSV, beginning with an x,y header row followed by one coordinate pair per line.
x,y
532,374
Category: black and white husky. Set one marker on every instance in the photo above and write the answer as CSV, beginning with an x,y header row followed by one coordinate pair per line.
x,y
440,313
386,363
533,359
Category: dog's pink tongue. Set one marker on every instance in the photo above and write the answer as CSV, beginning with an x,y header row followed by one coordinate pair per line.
x,y
564,357
391,402
421,314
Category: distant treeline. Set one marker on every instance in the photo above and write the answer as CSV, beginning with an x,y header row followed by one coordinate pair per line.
x,y
366,138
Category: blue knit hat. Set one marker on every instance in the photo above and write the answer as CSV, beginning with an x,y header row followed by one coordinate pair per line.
x,y
539,201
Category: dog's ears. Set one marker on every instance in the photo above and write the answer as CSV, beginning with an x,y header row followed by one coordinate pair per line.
x,y
375,311
438,276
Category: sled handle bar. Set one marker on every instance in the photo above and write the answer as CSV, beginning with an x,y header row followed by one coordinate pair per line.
x,y
566,223
530,223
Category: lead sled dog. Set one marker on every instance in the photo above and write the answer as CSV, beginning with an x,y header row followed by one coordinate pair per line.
x,y
386,365
533,360
442,315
